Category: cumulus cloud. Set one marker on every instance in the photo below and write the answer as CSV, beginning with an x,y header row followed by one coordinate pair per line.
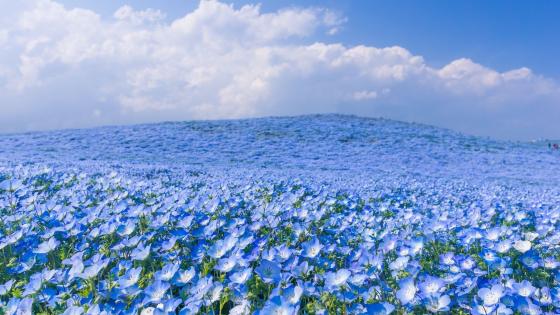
x,y
62,67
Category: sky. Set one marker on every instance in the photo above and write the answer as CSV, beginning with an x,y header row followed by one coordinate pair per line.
x,y
486,68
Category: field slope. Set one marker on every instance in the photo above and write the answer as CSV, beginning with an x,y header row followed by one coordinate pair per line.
x,y
311,214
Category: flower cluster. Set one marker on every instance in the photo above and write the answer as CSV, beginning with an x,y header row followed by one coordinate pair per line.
x,y
78,242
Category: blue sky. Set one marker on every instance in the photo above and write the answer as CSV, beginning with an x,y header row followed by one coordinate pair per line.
x,y
487,68
502,34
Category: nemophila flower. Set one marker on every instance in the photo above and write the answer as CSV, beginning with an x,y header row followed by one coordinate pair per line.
x,y
47,246
185,222
438,303
167,272
269,271
416,246
240,277
491,296
293,294
493,234
278,306
543,296
92,270
524,288
76,269
530,236
242,308
11,239
225,264
132,241
522,245
447,258
126,229
183,277
19,306
312,248
334,280
528,308
499,309
303,269
130,278
530,260
490,256
221,247
141,252
214,293
358,279
399,264
168,307
155,292
431,286
283,252
168,244
191,307
201,288
503,246
407,290
550,263
35,283
379,308
11,185
95,310
148,311
74,310
467,263
6,287
388,244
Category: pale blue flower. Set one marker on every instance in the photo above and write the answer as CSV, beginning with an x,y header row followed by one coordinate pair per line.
x,y
47,246
268,271
407,290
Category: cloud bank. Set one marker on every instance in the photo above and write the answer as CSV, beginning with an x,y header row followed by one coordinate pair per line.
x,y
62,67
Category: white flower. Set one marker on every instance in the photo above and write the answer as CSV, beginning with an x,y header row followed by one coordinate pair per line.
x,y
47,246
491,296
399,263
522,246
337,279
407,290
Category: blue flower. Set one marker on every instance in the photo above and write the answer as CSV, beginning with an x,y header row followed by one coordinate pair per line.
x,y
269,271
431,286
6,287
491,296
183,277
167,272
141,252
47,246
225,264
74,310
155,292
241,276
524,288
380,308
92,270
438,303
130,278
407,290
530,260
277,305
293,294
335,280
312,248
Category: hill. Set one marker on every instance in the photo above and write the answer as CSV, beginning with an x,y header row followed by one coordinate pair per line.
x,y
330,145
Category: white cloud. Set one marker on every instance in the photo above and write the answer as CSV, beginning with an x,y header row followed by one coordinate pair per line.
x,y
364,95
63,67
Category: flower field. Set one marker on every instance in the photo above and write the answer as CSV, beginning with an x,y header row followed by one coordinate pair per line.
x,y
305,215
